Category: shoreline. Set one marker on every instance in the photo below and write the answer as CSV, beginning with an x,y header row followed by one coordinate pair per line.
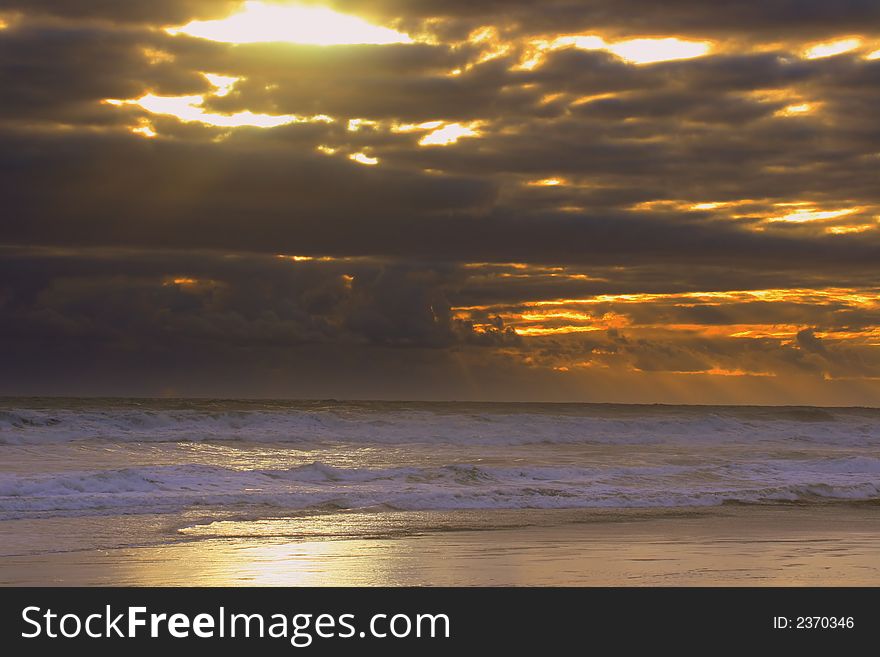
x,y
729,545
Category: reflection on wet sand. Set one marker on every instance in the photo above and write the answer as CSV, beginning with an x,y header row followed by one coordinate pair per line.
x,y
834,545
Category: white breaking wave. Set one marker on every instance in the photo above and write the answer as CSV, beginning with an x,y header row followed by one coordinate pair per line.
x,y
64,458
161,489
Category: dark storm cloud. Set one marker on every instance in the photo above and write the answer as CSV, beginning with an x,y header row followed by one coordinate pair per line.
x,y
164,296
356,82
156,258
411,82
768,20
124,303
774,18
171,298
113,190
110,189
60,73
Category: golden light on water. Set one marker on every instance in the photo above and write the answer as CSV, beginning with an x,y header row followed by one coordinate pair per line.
x,y
262,22
700,547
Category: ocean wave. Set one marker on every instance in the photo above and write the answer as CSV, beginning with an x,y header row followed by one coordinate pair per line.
x,y
164,489
415,424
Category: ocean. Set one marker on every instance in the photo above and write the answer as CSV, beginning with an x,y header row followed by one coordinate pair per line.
x,y
86,474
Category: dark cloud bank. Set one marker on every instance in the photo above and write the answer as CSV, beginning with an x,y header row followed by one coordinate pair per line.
x,y
143,266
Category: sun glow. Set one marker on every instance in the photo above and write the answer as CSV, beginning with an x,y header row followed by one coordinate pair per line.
x,y
182,281
449,134
191,109
635,51
537,331
795,110
363,158
302,258
649,51
155,56
354,125
261,22
145,128
832,48
222,83
720,371
440,133
711,205
847,230
546,182
416,127
571,316
812,214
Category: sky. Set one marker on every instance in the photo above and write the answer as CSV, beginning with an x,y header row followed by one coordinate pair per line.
x,y
597,200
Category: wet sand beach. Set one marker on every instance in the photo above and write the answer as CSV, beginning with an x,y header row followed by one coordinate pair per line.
x,y
735,545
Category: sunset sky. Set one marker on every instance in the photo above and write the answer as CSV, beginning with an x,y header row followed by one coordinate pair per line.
x,y
597,200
